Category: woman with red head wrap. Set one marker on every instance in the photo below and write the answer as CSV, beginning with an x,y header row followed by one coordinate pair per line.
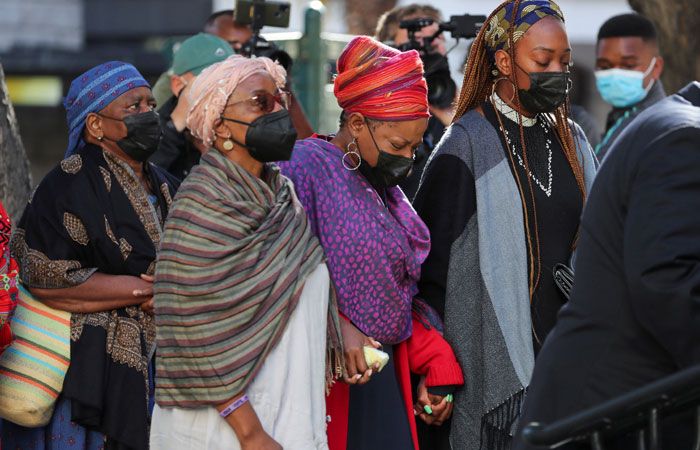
x,y
375,244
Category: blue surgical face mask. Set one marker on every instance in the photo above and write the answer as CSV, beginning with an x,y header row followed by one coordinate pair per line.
x,y
621,87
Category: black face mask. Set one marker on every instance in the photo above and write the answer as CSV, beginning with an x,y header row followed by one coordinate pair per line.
x,y
390,169
143,134
270,137
548,91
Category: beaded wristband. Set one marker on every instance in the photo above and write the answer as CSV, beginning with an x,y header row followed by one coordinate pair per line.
x,y
234,406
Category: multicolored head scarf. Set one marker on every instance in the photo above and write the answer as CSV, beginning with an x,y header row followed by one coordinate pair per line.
x,y
213,87
529,13
381,82
92,92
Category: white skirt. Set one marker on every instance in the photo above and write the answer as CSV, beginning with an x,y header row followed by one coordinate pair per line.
x,y
288,394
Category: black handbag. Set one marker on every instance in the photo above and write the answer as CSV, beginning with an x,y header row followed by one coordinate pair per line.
x,y
564,278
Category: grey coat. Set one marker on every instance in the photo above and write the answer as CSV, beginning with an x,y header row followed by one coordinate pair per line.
x,y
476,275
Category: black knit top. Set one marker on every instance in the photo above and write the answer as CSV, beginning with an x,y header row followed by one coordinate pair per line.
x,y
556,209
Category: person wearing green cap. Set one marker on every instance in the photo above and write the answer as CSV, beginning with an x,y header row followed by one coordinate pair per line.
x,y
178,151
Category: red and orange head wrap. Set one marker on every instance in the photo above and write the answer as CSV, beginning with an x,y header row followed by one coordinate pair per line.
x,y
380,82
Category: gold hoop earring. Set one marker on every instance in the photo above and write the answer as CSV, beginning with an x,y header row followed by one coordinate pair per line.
x,y
352,149
495,82
228,145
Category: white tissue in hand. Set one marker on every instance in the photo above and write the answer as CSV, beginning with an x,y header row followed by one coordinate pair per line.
x,y
374,356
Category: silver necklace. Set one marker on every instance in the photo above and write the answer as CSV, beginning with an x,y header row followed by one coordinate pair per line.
x,y
514,116
548,145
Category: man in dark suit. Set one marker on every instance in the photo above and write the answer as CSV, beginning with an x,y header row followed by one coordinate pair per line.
x,y
634,313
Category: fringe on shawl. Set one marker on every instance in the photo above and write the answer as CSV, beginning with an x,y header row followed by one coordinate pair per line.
x,y
497,425
335,352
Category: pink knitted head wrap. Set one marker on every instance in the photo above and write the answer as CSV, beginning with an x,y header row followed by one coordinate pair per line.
x,y
213,87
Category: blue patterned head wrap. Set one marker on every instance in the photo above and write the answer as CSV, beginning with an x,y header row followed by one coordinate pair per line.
x,y
92,92
529,13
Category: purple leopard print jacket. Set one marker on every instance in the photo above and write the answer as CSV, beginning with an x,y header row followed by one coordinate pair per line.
x,y
374,252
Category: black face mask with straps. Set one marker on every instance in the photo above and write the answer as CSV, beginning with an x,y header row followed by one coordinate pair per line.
x,y
548,91
390,169
143,134
270,137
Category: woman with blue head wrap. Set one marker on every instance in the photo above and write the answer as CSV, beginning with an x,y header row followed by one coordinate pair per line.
x,y
502,195
94,91
86,244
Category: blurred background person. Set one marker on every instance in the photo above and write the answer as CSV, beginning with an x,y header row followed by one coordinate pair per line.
x,y
179,151
221,24
86,244
628,71
634,313
389,32
375,244
502,195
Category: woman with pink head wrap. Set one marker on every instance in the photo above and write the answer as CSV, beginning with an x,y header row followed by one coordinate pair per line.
x,y
244,314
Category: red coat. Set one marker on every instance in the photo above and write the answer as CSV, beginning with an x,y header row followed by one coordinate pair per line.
x,y
425,353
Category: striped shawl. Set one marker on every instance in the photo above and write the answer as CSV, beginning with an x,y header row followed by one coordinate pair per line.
x,y
234,258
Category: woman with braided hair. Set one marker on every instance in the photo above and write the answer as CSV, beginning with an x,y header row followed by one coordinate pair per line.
x,y
502,195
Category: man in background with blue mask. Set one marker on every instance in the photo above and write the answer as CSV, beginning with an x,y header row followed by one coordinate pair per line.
x,y
628,67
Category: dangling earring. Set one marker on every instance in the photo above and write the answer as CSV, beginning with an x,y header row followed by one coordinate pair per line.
x,y
228,145
352,149
495,82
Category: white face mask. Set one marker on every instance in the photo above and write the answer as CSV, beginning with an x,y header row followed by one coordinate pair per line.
x,y
622,87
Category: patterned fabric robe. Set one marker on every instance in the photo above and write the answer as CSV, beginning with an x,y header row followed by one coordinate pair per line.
x,y
91,214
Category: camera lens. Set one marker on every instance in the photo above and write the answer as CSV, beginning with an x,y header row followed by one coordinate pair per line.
x,y
441,88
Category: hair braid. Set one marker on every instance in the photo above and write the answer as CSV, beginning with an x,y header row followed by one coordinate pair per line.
x,y
531,229
478,79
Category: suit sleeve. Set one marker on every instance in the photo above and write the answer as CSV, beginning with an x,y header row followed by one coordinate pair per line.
x,y
662,243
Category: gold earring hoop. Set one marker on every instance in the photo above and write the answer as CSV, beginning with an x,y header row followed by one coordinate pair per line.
x,y
227,145
352,150
495,82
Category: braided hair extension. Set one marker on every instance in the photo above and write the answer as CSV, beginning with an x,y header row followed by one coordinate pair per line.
x,y
477,85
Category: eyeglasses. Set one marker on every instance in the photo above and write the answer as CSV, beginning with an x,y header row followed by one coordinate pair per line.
x,y
266,101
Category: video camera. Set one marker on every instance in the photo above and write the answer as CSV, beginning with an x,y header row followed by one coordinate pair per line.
x,y
257,14
441,88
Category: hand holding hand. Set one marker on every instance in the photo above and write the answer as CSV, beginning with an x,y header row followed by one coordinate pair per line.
x,y
432,409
